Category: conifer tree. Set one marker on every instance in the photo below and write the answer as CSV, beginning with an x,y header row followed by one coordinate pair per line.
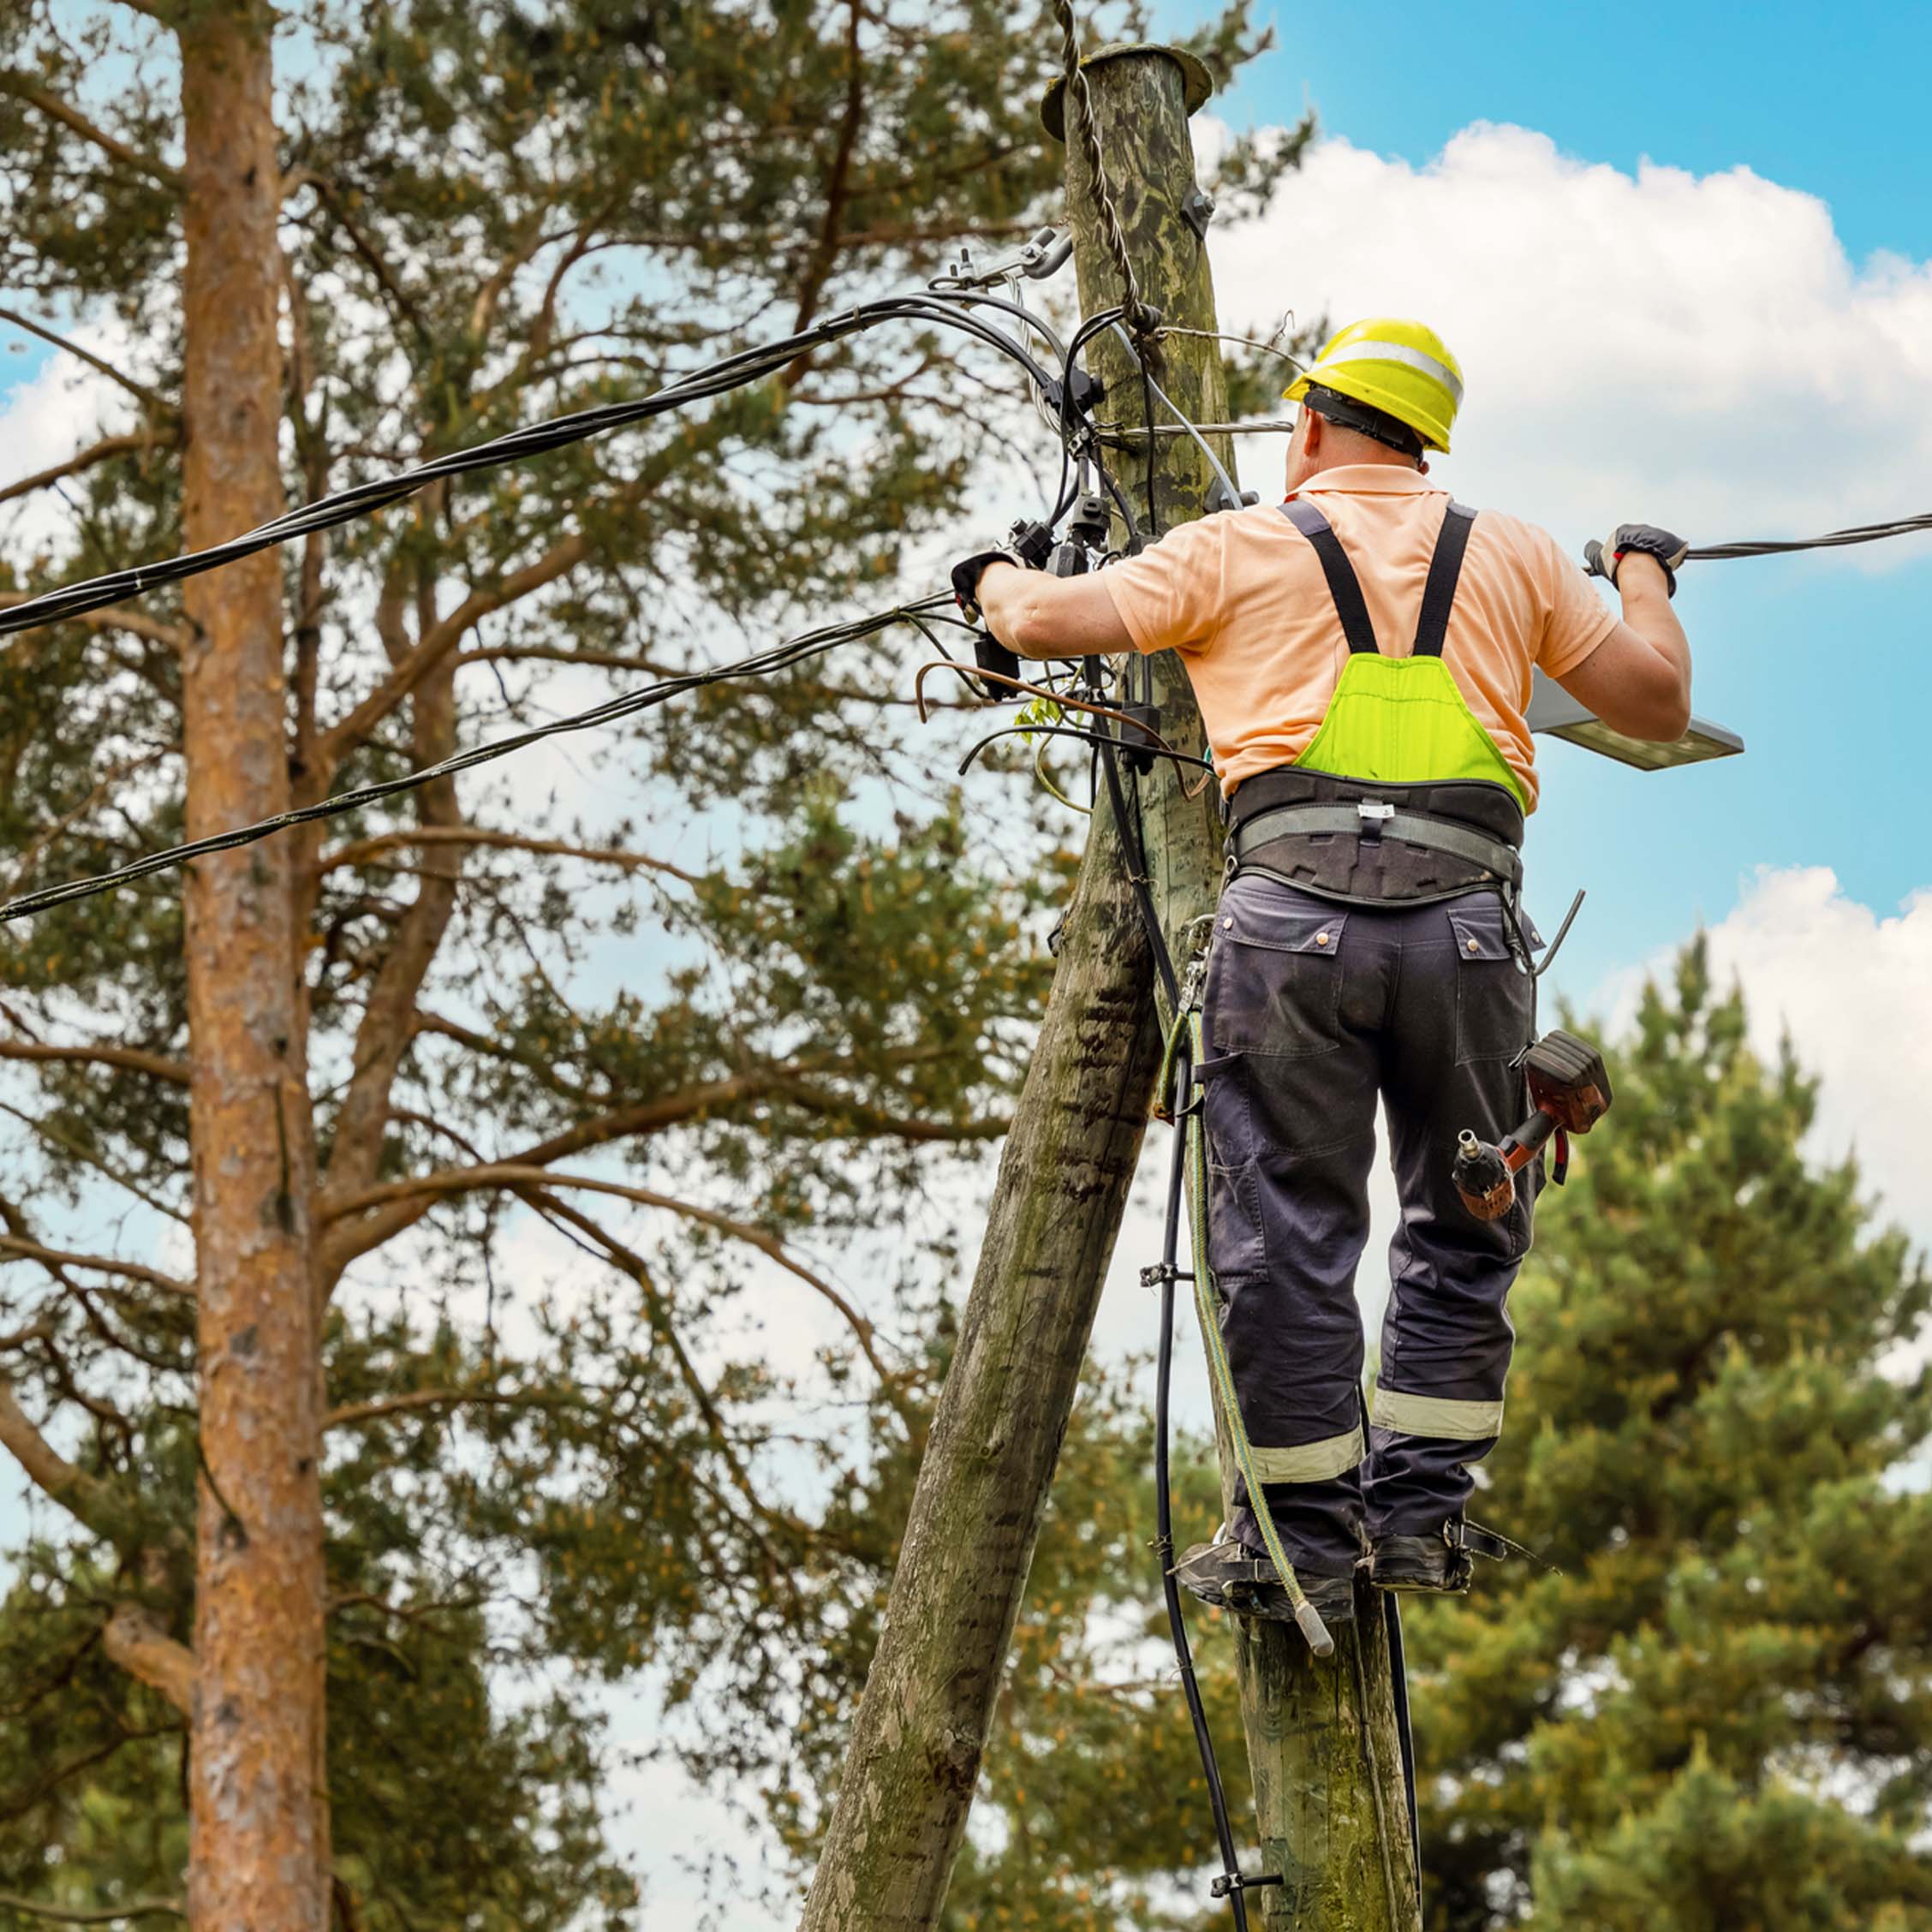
x,y
735,1020
1718,1713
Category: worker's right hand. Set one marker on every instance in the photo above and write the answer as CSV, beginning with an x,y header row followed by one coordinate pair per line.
x,y
1601,559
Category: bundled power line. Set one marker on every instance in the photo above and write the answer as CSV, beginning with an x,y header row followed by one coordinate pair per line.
x,y
781,657
936,308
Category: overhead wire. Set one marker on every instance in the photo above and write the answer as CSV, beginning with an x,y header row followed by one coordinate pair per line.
x,y
1833,540
780,657
361,499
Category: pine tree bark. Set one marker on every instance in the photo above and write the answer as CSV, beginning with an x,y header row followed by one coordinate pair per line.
x,y
1069,1160
258,1848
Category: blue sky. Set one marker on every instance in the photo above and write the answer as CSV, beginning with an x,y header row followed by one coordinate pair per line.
x,y
1822,98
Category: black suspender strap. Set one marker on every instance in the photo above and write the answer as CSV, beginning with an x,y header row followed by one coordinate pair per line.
x,y
1343,585
1439,592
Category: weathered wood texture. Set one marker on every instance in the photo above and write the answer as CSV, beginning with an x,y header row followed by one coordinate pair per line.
x,y
1056,1208
1323,1749
258,1842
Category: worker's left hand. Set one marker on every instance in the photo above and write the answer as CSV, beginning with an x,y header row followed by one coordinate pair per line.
x,y
967,572
1601,559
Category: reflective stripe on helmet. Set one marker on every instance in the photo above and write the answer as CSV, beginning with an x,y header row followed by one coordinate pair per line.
x,y
1392,351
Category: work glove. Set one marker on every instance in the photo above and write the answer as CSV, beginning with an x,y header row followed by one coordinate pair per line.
x,y
967,572
1601,559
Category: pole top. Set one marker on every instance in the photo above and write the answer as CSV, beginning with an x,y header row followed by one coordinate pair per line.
x,y
1196,83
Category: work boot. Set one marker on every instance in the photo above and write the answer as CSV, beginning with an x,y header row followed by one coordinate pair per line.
x,y
1440,1565
1232,1576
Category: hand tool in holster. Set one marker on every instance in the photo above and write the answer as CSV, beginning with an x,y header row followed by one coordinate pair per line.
x,y
1570,1091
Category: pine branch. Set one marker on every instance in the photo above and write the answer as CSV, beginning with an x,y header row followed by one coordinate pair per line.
x,y
127,1059
141,1647
84,1497
364,851
350,731
469,1180
108,1915
352,1414
21,88
96,453
56,1258
76,1150
116,616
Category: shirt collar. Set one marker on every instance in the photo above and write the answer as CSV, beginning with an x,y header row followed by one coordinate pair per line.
x,y
1368,479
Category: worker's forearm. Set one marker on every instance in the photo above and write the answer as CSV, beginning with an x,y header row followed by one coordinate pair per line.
x,y
1036,615
1005,599
1648,611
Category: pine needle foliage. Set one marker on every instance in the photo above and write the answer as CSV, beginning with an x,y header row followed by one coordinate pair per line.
x,y
1719,1713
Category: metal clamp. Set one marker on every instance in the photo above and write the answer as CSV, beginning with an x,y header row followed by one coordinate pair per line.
x,y
1045,255
1162,1273
1231,1882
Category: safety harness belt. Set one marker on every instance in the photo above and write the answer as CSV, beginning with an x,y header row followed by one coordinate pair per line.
x,y
1369,820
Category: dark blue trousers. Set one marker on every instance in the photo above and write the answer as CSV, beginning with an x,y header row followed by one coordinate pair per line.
x,y
1314,1011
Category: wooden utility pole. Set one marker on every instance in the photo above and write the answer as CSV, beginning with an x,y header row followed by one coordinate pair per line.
x,y
1321,1737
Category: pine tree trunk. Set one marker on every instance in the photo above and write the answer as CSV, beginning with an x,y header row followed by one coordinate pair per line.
x,y
258,1850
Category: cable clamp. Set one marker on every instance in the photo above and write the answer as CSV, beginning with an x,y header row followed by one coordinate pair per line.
x,y
1160,1276
1231,1882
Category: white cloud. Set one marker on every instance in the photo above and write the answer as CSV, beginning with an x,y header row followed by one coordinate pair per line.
x,y
1697,351
1845,983
60,409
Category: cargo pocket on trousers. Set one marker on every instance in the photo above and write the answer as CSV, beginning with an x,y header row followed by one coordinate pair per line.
x,y
1274,977
1237,1248
1495,998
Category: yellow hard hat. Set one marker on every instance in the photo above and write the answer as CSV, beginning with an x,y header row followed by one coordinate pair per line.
x,y
1403,368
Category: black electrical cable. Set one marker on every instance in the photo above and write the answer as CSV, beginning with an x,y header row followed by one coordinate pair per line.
x,y
1093,737
729,372
1169,1272
780,657
1833,540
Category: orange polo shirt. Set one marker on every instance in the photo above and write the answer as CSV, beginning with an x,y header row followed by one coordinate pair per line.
x,y
1242,596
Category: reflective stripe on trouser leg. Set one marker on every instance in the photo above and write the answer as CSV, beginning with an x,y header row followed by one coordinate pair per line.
x,y
1289,1087
1463,1011
1404,1414
1310,1462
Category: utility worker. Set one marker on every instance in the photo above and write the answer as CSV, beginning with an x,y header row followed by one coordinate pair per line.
x,y
1361,655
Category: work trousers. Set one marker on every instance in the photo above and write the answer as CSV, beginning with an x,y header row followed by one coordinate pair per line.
x,y
1312,1010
